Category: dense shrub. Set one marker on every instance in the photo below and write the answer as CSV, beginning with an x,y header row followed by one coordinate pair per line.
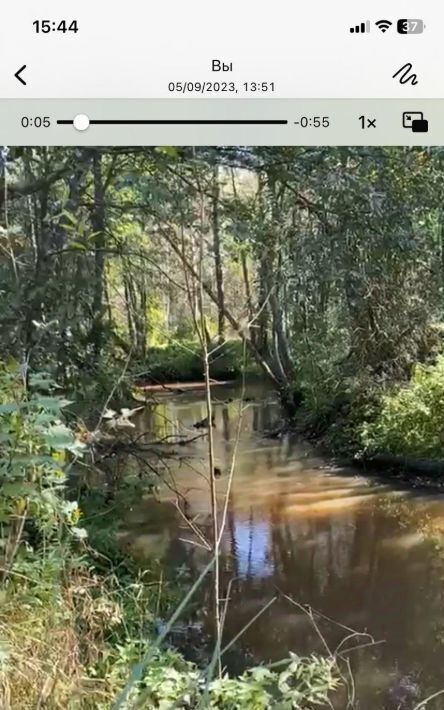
x,y
183,363
409,420
170,682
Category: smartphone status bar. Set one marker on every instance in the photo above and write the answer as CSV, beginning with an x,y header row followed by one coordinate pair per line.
x,y
249,49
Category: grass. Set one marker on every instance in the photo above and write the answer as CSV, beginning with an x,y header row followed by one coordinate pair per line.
x,y
70,636
74,639
44,659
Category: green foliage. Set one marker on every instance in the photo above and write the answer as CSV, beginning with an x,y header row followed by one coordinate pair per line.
x,y
182,362
170,682
409,419
329,259
304,683
91,387
35,450
173,363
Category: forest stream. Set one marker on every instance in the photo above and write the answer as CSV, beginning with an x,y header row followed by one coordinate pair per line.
x,y
365,554
128,275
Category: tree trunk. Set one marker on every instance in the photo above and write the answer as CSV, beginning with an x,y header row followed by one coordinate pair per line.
x,y
218,257
262,307
128,308
246,278
98,225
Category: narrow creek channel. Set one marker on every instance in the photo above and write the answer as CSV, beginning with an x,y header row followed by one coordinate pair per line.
x,y
365,554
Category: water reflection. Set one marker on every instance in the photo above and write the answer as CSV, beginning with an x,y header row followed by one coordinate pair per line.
x,y
357,551
251,545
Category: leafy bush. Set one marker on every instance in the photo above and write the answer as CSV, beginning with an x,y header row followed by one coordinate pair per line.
x,y
409,420
35,448
304,683
170,682
91,386
183,362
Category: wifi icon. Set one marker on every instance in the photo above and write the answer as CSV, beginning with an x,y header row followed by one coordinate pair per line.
x,y
383,25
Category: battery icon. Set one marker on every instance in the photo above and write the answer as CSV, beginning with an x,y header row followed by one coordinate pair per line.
x,y
410,27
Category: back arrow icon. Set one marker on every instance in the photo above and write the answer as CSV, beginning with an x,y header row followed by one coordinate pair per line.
x,y
18,72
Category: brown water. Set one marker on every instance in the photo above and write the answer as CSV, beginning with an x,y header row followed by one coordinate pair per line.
x,y
366,555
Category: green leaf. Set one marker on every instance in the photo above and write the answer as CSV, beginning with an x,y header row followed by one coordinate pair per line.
x,y
59,437
52,403
17,489
78,246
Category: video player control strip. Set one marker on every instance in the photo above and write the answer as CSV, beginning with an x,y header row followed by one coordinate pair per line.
x,y
222,121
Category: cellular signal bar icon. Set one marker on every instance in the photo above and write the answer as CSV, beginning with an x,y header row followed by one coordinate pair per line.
x,y
363,27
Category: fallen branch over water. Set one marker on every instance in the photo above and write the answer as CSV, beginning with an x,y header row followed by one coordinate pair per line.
x,y
107,448
181,386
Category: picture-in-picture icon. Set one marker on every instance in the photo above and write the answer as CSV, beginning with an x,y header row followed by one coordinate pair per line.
x,y
415,121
